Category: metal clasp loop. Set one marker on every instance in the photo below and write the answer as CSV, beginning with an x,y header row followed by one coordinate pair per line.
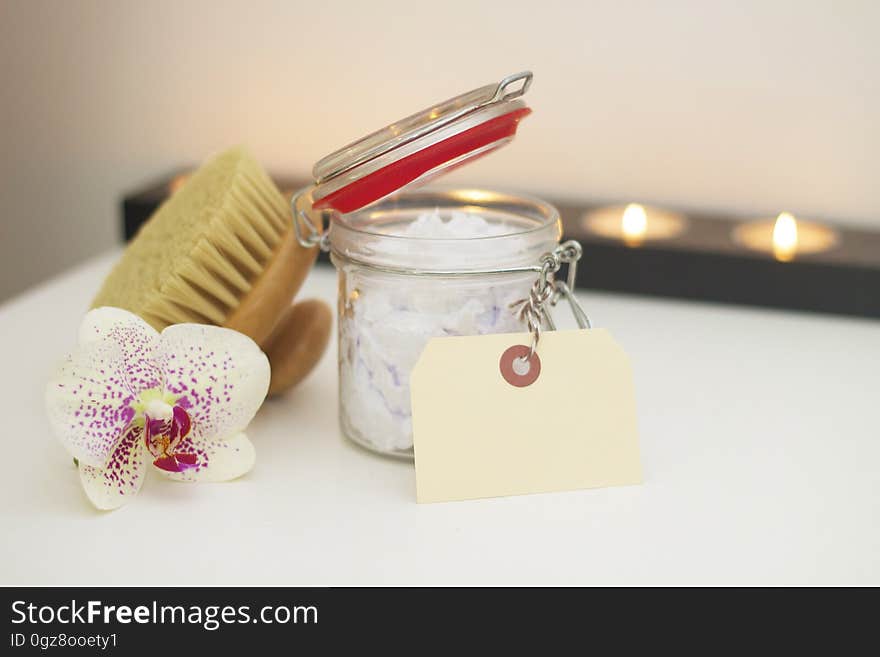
x,y
299,205
502,93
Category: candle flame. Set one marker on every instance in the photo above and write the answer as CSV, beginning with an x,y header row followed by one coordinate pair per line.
x,y
634,224
785,237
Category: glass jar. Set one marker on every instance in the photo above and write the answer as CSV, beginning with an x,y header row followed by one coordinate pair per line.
x,y
419,265
414,265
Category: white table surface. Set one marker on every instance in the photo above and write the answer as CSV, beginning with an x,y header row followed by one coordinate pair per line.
x,y
760,443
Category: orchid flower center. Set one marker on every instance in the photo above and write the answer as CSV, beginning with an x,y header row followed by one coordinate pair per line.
x,y
166,425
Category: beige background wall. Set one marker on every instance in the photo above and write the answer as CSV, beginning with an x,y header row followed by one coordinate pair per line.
x,y
746,105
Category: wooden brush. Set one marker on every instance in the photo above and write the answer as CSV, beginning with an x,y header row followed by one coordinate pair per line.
x,y
221,250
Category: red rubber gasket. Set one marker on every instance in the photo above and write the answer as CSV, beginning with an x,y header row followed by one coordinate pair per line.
x,y
389,179
506,366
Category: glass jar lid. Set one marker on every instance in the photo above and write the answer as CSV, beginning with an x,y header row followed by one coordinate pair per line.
x,y
421,146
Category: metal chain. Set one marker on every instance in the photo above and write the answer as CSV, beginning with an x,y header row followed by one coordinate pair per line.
x,y
533,311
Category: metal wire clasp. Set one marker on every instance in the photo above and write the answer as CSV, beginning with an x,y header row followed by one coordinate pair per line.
x,y
299,204
534,311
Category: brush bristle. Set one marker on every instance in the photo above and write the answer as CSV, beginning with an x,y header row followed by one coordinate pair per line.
x,y
199,254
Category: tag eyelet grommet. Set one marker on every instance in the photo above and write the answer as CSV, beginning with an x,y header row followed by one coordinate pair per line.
x,y
506,365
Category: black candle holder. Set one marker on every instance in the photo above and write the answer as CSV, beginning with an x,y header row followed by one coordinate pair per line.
x,y
702,261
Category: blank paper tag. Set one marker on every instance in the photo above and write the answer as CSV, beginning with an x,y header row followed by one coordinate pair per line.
x,y
477,435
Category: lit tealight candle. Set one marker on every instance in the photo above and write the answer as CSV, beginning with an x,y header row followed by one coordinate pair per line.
x,y
785,237
634,223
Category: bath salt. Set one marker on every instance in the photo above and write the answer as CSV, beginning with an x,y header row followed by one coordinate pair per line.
x,y
460,225
387,319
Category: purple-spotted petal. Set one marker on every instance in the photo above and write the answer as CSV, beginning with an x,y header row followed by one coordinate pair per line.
x,y
215,460
221,376
89,399
135,340
112,486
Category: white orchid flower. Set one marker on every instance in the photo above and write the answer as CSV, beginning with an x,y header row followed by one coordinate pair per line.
x,y
129,396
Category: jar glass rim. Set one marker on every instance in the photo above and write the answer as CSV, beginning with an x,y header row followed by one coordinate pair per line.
x,y
469,197
533,229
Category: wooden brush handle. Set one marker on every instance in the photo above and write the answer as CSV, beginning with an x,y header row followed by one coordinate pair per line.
x,y
297,343
262,307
